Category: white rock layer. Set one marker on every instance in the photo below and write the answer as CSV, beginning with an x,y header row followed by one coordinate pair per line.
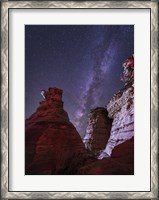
x,y
121,110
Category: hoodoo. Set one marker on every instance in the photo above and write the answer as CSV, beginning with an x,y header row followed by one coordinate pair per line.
x,y
52,144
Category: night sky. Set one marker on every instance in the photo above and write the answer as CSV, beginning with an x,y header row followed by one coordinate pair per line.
x,y
85,61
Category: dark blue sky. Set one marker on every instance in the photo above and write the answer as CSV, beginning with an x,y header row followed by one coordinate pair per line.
x,y
83,60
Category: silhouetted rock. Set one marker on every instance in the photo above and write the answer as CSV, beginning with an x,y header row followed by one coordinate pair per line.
x,y
98,130
52,144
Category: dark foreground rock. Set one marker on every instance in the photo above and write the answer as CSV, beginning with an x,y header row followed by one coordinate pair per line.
x,y
120,163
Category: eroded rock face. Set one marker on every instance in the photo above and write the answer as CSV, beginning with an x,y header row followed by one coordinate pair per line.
x,y
52,144
128,71
121,109
98,130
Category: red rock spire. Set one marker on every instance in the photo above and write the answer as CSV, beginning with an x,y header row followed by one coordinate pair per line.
x,y
52,99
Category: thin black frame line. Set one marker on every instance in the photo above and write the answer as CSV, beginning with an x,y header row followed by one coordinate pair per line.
x,y
150,99
24,98
79,24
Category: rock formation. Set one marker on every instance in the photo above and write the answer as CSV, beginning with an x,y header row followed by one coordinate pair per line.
x,y
52,144
121,110
98,130
121,162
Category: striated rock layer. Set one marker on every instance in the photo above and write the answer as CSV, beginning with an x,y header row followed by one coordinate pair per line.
x,y
121,110
52,144
98,130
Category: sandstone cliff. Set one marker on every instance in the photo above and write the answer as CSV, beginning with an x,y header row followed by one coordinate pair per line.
x,y
121,110
52,144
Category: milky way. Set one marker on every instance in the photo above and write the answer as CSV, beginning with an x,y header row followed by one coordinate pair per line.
x,y
84,60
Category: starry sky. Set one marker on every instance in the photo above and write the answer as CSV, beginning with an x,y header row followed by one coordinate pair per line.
x,y
85,61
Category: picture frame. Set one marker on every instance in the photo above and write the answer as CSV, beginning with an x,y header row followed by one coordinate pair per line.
x,y
6,137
